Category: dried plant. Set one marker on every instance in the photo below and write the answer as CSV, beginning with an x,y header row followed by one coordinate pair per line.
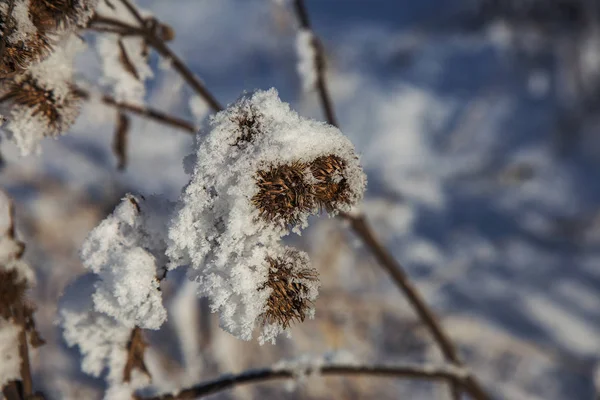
x,y
291,282
283,193
25,92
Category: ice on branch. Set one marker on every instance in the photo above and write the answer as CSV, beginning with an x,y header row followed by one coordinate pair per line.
x,y
102,340
261,172
307,56
42,101
126,251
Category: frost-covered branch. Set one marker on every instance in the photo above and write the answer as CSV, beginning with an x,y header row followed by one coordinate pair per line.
x,y
404,371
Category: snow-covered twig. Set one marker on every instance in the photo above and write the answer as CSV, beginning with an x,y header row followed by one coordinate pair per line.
x,y
402,371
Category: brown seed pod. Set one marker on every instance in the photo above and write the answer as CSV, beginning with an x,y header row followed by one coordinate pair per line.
x,y
283,193
289,279
12,291
249,125
331,187
25,91
51,15
17,57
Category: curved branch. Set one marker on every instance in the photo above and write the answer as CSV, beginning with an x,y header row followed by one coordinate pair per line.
x,y
142,111
430,373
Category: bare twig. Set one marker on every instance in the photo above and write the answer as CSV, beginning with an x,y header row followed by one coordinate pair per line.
x,y
142,111
161,47
134,11
320,63
225,382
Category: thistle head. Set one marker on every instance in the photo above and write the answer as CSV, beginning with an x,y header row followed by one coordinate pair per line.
x,y
293,283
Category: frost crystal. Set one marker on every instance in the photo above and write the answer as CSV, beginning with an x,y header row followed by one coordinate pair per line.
x,y
126,252
102,340
261,171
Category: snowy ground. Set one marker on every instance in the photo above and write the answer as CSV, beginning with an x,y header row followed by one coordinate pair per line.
x,y
491,207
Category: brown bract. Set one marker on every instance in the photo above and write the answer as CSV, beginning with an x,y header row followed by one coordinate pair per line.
x,y
25,91
17,57
283,193
249,125
288,281
331,188
50,15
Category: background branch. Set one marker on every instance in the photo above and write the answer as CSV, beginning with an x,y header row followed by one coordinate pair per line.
x,y
142,111
225,382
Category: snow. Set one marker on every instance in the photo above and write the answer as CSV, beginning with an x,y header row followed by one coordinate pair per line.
x,y
102,340
119,251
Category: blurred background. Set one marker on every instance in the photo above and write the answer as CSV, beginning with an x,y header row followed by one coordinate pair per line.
x,y
477,123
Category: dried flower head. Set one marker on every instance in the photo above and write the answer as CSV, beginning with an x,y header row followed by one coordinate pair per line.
x,y
51,15
57,111
283,193
12,290
18,56
331,187
248,123
292,282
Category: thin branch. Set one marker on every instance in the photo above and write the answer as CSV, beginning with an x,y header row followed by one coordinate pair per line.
x,y
361,227
142,111
195,82
429,373
320,63
161,47
134,11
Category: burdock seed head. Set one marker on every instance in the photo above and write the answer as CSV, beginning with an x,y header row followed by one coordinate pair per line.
x,y
330,187
248,124
283,193
293,283
58,112
50,15
12,290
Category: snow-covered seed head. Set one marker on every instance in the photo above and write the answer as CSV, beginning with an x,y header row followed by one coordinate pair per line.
x,y
17,57
50,15
283,193
26,92
248,123
12,290
331,187
290,280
